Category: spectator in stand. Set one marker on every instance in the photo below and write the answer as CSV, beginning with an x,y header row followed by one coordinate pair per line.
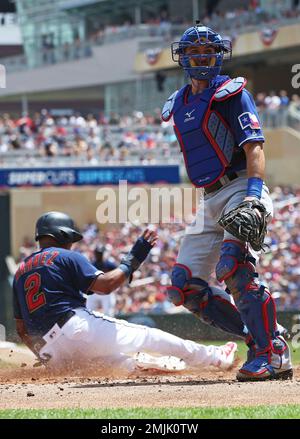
x,y
294,112
165,25
25,124
96,302
272,108
260,102
283,108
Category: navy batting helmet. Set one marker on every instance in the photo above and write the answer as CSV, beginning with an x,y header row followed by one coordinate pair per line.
x,y
59,226
200,64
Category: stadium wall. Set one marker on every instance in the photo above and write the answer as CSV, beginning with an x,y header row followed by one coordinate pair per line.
x,y
91,71
282,149
187,326
6,317
183,325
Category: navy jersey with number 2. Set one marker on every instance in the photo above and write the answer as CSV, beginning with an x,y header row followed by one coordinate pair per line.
x,y
48,284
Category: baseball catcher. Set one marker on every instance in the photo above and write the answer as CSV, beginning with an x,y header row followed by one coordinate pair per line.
x,y
220,136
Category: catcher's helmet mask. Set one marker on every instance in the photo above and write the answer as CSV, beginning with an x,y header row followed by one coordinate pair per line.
x,y
59,226
201,36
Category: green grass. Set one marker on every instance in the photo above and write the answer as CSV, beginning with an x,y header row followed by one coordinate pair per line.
x,y
258,412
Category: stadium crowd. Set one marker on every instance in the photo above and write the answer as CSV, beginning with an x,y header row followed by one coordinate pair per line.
x,y
142,138
278,109
85,140
279,266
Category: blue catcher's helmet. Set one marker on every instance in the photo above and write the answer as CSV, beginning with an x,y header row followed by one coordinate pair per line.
x,y
201,51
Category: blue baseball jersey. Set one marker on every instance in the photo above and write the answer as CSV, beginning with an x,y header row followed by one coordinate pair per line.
x,y
241,116
48,284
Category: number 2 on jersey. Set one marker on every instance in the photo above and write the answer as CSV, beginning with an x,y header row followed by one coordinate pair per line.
x,y
34,297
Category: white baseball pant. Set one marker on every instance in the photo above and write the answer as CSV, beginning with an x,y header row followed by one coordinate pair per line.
x,y
90,336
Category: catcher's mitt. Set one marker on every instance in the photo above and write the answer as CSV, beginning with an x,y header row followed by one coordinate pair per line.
x,y
247,222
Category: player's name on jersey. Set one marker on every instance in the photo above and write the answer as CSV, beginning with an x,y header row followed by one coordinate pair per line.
x,y
36,261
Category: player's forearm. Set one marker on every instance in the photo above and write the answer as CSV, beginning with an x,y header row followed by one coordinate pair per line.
x,y
108,282
255,169
255,160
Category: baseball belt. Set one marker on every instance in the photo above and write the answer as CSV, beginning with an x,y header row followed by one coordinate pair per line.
x,y
230,176
39,342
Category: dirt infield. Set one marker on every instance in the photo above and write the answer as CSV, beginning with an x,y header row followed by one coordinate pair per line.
x,y
23,386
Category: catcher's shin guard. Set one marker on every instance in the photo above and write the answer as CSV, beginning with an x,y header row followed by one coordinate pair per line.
x,y
211,305
253,300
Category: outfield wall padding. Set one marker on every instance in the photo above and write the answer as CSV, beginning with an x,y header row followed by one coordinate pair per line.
x,y
187,326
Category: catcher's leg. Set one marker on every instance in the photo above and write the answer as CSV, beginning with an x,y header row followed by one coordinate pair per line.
x,y
210,304
198,255
257,308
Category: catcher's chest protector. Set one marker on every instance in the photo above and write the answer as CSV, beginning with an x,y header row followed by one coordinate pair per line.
x,y
205,138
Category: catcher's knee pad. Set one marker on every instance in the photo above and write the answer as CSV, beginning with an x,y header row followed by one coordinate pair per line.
x,y
256,305
185,290
211,305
